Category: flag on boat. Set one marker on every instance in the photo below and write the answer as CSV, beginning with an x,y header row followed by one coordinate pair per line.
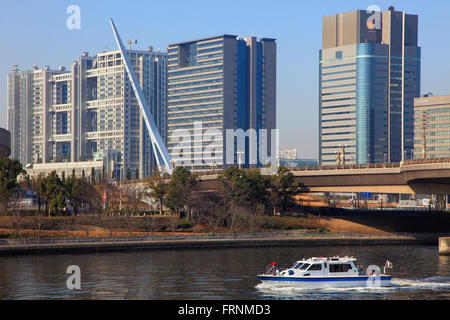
x,y
388,264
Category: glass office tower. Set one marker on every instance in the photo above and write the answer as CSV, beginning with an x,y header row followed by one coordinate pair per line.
x,y
221,82
369,75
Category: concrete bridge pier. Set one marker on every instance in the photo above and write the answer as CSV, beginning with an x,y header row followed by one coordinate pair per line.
x,y
444,246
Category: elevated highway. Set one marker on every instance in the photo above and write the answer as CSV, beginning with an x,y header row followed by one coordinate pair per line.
x,y
408,177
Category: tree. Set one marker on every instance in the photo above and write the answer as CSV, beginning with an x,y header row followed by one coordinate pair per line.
x,y
256,190
283,190
10,169
92,175
233,191
157,190
136,173
77,191
128,174
35,186
53,191
180,191
211,211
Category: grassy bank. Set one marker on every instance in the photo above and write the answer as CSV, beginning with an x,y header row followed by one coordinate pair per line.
x,y
82,226
20,227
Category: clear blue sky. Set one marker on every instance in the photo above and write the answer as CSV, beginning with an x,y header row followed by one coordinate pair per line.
x,y
35,32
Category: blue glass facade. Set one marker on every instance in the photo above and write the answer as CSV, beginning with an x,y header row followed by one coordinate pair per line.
x,y
371,109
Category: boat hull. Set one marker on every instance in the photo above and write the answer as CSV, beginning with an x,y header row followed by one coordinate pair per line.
x,y
327,282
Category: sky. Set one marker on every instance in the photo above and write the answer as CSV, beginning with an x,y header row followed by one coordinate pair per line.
x,y
35,32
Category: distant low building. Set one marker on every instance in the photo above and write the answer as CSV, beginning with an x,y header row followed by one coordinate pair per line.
x,y
68,167
288,154
292,163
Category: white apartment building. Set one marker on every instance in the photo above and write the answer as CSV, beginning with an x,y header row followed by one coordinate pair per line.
x,y
88,113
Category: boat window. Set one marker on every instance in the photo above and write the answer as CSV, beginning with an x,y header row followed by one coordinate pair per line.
x,y
305,266
294,265
340,267
315,267
299,265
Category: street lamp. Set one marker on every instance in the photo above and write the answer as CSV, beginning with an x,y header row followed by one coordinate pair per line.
x,y
240,158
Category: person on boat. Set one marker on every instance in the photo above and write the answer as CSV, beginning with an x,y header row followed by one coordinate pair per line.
x,y
274,267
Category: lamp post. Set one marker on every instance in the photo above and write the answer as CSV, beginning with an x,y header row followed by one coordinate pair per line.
x,y
239,159
120,188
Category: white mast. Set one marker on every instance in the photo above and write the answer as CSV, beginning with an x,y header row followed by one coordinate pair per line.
x,y
162,156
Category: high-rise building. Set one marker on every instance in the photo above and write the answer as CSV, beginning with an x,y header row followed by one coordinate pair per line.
x,y
222,82
431,127
369,76
89,112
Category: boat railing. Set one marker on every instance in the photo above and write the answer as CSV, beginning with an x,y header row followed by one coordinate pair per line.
x,y
270,269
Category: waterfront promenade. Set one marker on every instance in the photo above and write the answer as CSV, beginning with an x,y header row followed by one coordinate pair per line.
x,y
207,241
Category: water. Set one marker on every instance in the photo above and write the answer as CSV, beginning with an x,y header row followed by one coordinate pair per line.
x,y
419,273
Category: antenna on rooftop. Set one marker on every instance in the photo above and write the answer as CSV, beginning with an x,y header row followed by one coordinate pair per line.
x,y
130,42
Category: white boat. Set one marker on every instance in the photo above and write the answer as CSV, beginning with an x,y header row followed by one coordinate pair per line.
x,y
334,272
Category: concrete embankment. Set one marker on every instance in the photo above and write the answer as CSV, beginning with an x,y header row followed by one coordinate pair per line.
x,y
209,244
444,246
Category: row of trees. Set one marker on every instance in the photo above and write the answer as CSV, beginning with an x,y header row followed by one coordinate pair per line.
x,y
239,191
54,192
61,193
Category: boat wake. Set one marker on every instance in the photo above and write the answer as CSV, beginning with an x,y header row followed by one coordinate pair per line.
x,y
431,283
437,283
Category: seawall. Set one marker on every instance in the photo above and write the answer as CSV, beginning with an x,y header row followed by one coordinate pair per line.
x,y
89,247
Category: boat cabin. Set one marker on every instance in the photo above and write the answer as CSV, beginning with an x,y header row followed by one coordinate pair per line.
x,y
323,267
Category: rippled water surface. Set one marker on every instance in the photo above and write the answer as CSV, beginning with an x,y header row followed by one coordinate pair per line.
x,y
419,273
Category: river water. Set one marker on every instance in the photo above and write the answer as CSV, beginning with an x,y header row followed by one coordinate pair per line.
x,y
419,273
